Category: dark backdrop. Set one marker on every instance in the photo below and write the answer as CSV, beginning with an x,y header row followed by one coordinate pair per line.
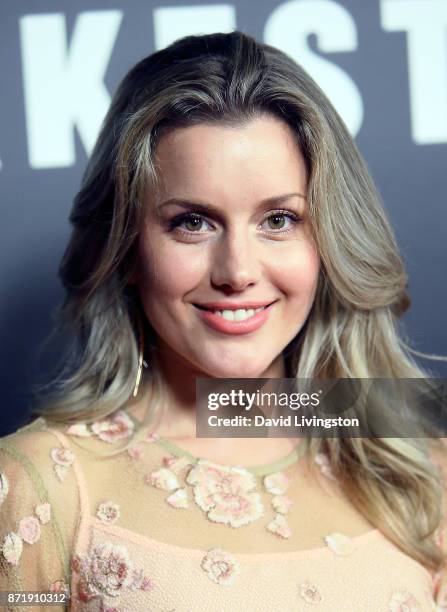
x,y
382,62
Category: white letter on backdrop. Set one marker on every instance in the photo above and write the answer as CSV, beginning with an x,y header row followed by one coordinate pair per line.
x,y
64,87
425,22
288,27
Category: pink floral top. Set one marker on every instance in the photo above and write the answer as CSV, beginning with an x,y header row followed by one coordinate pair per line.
x,y
152,528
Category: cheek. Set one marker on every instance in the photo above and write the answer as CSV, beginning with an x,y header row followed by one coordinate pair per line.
x,y
297,273
168,273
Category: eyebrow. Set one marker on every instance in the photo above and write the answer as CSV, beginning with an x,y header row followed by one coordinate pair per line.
x,y
206,207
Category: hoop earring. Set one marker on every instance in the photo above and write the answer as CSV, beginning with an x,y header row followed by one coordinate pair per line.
x,y
141,361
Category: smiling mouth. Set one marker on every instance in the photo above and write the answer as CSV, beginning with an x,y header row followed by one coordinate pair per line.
x,y
240,314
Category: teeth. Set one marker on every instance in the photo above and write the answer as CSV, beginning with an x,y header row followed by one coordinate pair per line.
x,y
238,315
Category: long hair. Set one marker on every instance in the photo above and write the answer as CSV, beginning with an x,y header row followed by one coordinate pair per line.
x,y
352,329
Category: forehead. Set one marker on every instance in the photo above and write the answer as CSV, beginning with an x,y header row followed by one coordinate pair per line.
x,y
227,161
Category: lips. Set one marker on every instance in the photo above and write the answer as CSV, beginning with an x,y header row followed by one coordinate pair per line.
x,y
235,319
233,305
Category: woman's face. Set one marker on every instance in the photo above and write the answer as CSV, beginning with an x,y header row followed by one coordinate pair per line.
x,y
226,236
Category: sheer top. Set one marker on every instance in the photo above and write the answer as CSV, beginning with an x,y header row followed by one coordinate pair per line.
x,y
154,528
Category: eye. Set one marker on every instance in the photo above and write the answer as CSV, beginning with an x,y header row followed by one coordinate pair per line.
x,y
282,221
191,222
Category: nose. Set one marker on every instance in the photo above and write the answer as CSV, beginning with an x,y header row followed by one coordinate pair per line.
x,y
236,264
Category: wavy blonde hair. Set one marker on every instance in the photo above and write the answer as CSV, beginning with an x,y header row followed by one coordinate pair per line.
x,y
352,328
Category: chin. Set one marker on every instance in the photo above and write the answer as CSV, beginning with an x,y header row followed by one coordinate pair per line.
x,y
234,369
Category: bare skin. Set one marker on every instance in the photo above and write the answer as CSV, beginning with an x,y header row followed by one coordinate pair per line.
x,y
246,238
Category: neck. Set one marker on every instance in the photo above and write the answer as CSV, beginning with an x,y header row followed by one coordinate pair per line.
x,y
179,384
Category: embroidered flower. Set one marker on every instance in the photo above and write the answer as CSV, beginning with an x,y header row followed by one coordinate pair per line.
x,y
403,602
107,570
29,529
76,563
277,483
62,456
108,512
63,459
151,437
227,494
140,582
114,428
4,487
12,548
163,479
80,430
340,544
178,499
43,512
136,452
323,463
59,586
309,593
176,464
220,566
280,527
282,504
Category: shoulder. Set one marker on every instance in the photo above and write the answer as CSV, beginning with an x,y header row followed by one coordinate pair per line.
x,y
37,509
36,464
35,450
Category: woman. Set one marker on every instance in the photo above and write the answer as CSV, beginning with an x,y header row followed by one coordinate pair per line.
x,y
226,227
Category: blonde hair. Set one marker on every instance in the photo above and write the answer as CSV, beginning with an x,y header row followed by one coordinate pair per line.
x,y
352,328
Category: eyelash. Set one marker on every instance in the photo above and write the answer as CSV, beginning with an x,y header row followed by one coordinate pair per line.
x,y
175,222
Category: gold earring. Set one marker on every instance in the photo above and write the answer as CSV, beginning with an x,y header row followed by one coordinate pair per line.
x,y
141,361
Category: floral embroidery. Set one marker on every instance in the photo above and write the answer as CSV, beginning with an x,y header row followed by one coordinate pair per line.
x,y
403,602
227,494
280,527
176,464
29,529
136,452
282,504
151,437
63,459
12,548
140,582
4,487
323,463
43,512
220,566
108,512
107,570
340,544
178,499
80,430
59,586
117,427
309,593
62,456
277,483
163,479
111,429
